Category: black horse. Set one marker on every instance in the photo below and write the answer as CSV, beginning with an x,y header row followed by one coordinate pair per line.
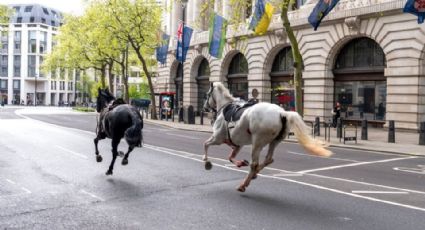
x,y
117,120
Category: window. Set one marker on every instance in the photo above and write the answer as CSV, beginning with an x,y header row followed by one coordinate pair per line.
x,y
70,86
17,8
53,85
203,82
53,23
43,42
32,43
45,11
3,84
19,20
237,77
32,19
28,9
62,85
16,85
43,20
17,65
31,65
4,41
3,65
283,62
17,42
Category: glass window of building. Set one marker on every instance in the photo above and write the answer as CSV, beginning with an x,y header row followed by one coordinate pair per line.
x,y
237,77
360,84
16,84
28,9
16,65
31,65
3,65
3,84
43,42
282,82
4,41
32,41
203,80
17,42
19,20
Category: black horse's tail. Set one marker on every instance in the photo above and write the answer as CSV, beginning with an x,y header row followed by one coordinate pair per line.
x,y
133,135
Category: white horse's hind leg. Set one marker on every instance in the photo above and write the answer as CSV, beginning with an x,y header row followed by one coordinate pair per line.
x,y
256,149
269,157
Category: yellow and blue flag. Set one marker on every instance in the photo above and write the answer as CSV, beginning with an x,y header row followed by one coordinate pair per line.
x,y
322,9
262,17
416,7
162,48
218,28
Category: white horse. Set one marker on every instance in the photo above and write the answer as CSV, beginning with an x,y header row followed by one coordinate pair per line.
x,y
260,125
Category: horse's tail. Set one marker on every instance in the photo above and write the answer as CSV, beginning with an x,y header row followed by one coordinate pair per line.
x,y
133,135
301,130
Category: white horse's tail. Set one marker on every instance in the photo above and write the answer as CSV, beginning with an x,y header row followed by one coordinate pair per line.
x,y
302,131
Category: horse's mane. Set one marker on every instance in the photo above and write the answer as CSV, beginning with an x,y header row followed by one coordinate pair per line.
x,y
224,91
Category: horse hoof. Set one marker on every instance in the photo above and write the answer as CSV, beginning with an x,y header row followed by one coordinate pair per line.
x,y
124,162
121,153
254,177
108,173
241,189
208,165
98,158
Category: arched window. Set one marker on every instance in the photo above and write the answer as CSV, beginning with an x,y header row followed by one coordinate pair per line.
x,y
282,82
179,86
203,82
237,77
360,84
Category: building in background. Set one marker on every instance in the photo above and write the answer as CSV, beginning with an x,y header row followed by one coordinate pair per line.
x,y
367,55
25,42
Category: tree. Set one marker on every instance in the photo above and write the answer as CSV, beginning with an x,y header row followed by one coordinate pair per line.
x,y
5,13
137,22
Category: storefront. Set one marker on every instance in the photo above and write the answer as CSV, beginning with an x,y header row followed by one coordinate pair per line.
x,y
281,76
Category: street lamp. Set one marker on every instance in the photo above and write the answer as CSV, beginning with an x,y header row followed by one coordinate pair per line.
x,y
183,4
35,89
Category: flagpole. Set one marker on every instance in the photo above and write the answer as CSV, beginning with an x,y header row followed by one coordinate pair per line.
x,y
184,3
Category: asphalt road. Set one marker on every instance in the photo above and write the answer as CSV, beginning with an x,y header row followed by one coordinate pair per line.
x,y
49,179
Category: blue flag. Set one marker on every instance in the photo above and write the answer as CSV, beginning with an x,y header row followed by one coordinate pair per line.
x,y
322,9
162,49
218,29
416,7
183,34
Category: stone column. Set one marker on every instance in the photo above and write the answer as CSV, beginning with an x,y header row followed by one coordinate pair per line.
x,y
318,94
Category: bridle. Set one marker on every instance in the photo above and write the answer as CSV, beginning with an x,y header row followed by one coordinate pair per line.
x,y
207,101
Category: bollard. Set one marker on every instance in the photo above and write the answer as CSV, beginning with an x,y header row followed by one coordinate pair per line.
x,y
317,126
202,117
364,129
180,114
166,114
172,115
190,115
391,132
339,127
361,115
422,134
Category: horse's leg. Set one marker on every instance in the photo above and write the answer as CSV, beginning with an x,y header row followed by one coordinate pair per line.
x,y
256,149
96,141
233,154
114,155
269,157
125,159
211,141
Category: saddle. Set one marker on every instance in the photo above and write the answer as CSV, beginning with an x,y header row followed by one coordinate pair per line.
x,y
233,111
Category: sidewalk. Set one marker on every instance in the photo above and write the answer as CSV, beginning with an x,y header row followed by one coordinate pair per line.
x,y
405,142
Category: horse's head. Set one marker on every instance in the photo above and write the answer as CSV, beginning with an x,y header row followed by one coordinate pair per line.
x,y
103,99
210,103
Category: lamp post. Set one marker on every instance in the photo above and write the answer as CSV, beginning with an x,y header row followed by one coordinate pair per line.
x,y
184,3
35,89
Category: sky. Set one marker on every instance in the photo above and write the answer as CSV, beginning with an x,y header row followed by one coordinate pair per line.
x,y
75,7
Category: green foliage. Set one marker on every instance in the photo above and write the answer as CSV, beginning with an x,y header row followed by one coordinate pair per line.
x,y
84,109
139,91
5,13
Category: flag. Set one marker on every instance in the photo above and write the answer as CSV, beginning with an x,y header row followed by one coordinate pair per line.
x,y
218,28
416,7
322,9
162,48
262,17
183,33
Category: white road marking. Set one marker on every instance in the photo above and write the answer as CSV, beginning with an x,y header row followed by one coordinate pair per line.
x,y
317,186
185,136
419,170
72,152
11,181
92,195
26,190
287,174
378,192
331,158
356,164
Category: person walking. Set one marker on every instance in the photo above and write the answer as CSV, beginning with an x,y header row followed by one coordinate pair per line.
x,y
336,113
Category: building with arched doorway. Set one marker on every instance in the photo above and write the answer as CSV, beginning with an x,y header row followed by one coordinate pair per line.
x,y
367,55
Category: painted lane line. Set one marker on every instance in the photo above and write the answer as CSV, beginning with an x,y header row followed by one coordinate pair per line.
x,y
287,174
92,195
26,190
185,136
378,192
72,152
356,164
331,158
11,181
419,170
311,185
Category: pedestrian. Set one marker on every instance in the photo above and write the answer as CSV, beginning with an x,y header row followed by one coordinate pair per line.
x,y
336,113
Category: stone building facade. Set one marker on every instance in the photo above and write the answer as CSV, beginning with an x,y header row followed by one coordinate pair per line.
x,y
367,54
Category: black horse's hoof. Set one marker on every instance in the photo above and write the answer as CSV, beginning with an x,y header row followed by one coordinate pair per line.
x,y
121,153
208,165
124,162
99,158
109,172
